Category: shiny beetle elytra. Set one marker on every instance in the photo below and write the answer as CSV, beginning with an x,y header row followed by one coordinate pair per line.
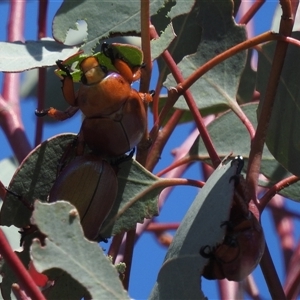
x,y
90,184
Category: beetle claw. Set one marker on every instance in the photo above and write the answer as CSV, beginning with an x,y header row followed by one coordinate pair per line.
x,y
65,68
240,163
41,113
108,51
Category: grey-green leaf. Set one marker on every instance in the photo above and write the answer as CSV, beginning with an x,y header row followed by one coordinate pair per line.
x,y
101,23
133,180
284,127
19,56
218,87
180,273
33,179
67,249
229,134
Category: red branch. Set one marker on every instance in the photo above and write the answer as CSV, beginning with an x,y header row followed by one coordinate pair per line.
x,y
19,270
10,115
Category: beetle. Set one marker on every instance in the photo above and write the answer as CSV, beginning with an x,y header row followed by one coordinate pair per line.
x,y
90,184
115,114
243,245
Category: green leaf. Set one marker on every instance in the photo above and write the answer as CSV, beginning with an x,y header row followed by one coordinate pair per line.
x,y
183,25
171,11
18,56
131,54
68,250
101,23
218,87
179,275
158,46
247,82
33,179
229,134
133,179
284,127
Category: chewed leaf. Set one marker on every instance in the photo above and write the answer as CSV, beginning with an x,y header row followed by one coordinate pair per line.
x,y
100,22
179,275
70,251
33,179
18,56
128,210
131,54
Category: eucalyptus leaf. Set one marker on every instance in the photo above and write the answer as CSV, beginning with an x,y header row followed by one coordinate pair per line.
x,y
284,127
133,179
70,251
19,56
229,135
179,277
33,180
218,87
100,22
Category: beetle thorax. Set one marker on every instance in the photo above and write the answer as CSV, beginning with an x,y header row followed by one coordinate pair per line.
x,y
92,70
94,75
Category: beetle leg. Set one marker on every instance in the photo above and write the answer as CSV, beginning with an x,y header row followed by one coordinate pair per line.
x,y
67,84
240,165
147,97
57,114
130,74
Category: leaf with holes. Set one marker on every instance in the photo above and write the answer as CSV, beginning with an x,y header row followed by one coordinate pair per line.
x,y
70,251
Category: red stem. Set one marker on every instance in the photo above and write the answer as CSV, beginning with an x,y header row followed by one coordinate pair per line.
x,y
251,12
161,140
10,115
271,276
173,96
115,246
21,273
42,30
130,238
162,226
276,188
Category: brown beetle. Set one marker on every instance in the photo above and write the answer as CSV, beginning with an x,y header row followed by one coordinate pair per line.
x,y
90,184
243,245
115,115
